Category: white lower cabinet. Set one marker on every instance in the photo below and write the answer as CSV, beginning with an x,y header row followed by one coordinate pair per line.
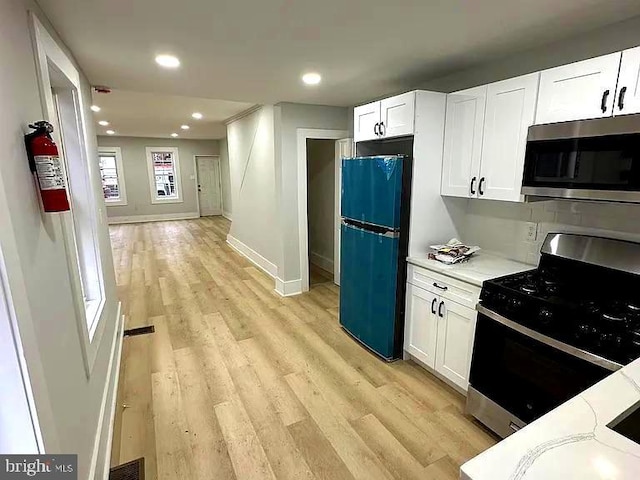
x,y
421,324
454,344
439,333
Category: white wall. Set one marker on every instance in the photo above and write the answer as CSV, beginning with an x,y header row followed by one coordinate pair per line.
x,y
501,226
68,403
289,118
225,179
253,188
321,201
134,160
611,38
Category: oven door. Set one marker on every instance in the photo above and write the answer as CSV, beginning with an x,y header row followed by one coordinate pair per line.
x,y
600,167
522,375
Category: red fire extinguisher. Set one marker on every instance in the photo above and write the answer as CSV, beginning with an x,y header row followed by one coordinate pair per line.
x,y
45,162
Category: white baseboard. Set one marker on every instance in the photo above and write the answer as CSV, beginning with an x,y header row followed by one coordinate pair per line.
x,y
163,217
287,289
321,261
227,215
101,458
257,259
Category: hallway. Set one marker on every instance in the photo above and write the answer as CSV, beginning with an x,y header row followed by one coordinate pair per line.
x,y
238,382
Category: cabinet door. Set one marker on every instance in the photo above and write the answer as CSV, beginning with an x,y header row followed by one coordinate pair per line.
x,y
456,329
421,324
579,90
511,106
463,142
628,94
365,120
397,115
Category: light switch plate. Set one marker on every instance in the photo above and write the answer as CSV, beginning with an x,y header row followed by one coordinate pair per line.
x,y
531,232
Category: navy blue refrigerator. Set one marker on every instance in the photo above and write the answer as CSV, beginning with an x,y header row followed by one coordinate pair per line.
x,y
376,193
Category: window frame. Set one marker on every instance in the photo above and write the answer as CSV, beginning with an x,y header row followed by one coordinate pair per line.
x,y
155,198
122,189
53,65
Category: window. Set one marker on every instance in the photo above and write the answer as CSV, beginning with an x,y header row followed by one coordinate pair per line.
x,y
112,174
164,174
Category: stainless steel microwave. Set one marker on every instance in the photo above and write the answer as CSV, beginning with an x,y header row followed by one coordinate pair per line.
x,y
587,159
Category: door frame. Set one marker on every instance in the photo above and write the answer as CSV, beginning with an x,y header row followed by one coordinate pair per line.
x,y
303,135
196,181
337,202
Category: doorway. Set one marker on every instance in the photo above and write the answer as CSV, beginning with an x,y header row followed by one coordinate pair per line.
x,y
321,198
340,146
209,185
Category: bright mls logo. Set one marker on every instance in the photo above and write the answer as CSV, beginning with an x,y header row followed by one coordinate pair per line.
x,y
51,467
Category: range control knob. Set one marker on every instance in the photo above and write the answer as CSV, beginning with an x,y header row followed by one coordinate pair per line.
x,y
515,304
545,316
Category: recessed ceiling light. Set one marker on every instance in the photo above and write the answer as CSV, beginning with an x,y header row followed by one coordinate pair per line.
x,y
184,127
104,123
197,115
95,108
110,132
311,78
168,61
174,134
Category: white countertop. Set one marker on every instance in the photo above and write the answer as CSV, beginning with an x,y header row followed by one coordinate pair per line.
x,y
572,441
480,267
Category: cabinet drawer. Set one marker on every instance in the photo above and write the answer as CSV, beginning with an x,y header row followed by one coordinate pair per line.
x,y
449,288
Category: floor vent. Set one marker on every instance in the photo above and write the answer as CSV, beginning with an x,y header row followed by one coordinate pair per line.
x,y
128,471
139,331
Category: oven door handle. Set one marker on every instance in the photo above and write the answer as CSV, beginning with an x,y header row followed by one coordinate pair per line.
x,y
552,342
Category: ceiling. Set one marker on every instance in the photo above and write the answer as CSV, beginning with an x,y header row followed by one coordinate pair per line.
x,y
255,51
139,114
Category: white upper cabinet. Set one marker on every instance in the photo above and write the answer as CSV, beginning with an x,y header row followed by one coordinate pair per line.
x,y
397,115
510,111
366,120
456,331
421,324
579,90
464,125
628,94
391,117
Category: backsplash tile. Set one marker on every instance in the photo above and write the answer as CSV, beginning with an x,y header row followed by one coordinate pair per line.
x,y
500,227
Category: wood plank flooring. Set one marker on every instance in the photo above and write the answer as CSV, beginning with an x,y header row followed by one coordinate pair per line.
x,y
238,382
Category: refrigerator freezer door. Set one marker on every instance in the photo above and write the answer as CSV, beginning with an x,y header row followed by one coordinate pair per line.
x,y
368,288
372,189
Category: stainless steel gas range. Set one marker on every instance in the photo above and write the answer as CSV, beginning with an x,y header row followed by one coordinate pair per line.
x,y
547,334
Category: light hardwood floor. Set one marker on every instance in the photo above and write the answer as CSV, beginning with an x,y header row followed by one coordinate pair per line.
x,y
238,382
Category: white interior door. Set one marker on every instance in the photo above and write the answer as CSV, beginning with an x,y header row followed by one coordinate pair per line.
x,y
209,190
344,149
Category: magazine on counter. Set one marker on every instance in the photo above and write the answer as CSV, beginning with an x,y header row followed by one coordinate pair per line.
x,y
452,252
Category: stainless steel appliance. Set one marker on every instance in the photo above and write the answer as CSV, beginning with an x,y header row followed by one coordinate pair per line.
x,y
547,334
588,159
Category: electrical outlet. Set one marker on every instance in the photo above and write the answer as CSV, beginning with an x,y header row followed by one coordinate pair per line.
x,y
531,232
